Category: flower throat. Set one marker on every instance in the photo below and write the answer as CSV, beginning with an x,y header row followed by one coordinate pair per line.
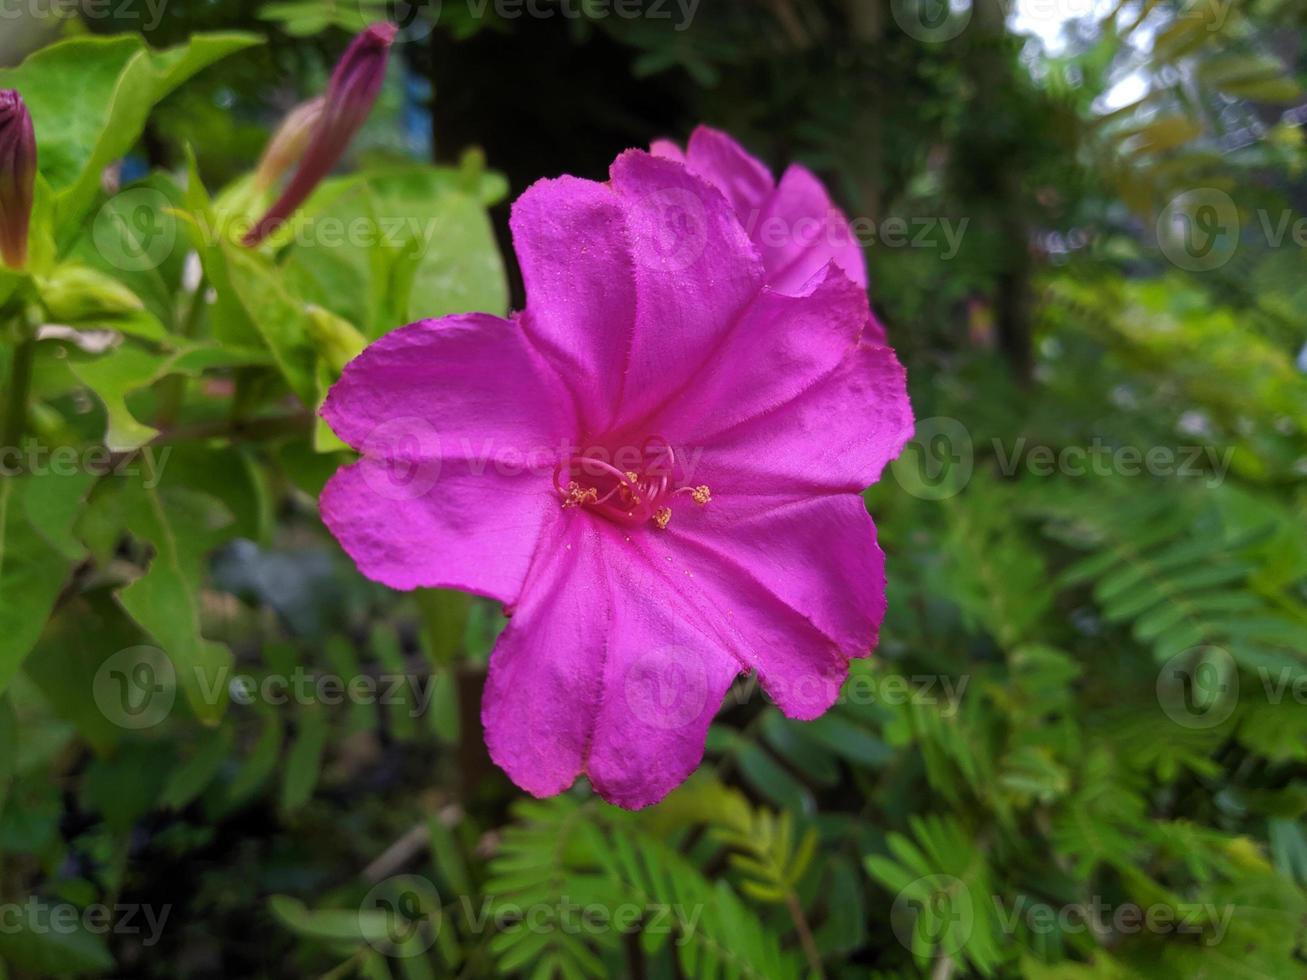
x,y
627,496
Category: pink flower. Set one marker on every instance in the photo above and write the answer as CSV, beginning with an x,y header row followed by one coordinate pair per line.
x,y
354,87
794,224
656,467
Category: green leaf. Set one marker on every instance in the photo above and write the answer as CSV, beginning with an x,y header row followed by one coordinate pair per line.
x,y
402,711
37,950
75,644
304,761
773,780
183,526
112,377
231,325
844,928
33,569
447,856
136,239
350,925
125,786
417,245
279,318
260,764
8,748
190,778
90,98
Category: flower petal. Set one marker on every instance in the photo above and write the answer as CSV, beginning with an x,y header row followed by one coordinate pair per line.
x,y
792,400
799,231
460,425
724,163
837,435
433,523
571,242
793,587
667,150
598,673
465,386
630,285
695,272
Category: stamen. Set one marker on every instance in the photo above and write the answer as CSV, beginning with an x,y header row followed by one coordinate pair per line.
x,y
576,495
628,497
701,494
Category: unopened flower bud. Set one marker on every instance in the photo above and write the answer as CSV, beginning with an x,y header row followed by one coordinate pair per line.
x,y
17,177
355,85
287,145
74,293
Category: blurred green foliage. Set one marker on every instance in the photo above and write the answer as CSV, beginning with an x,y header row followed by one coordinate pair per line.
x,y
1081,749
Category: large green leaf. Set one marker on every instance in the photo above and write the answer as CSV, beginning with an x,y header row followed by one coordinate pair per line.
x,y
84,634
278,316
90,98
8,748
126,369
183,526
136,239
413,243
34,560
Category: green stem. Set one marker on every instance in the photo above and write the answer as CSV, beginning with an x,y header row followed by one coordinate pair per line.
x,y
172,391
20,386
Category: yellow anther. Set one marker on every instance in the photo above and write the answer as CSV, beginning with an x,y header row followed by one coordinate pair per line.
x,y
701,495
662,517
576,496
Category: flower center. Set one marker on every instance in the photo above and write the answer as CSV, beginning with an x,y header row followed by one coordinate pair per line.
x,y
630,486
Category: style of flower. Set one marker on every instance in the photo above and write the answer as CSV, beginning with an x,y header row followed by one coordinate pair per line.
x,y
17,177
657,467
355,85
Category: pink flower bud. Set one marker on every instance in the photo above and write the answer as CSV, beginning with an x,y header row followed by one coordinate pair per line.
x,y
354,87
289,142
17,177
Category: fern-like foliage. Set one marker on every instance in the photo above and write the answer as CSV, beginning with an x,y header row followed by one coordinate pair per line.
x,y
944,888
565,852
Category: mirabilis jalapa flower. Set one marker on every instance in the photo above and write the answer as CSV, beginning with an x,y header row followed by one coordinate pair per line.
x,y
657,467
324,128
17,177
